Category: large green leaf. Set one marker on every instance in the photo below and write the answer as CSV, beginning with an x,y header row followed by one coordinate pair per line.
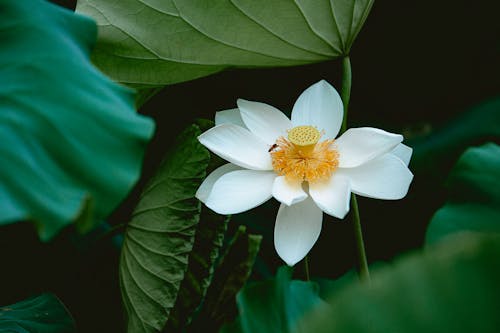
x,y
449,288
275,305
160,236
474,203
70,139
41,314
151,42
202,259
230,275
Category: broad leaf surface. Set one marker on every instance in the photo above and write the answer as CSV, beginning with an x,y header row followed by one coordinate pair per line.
x,y
41,314
275,305
151,42
474,203
160,236
70,139
449,288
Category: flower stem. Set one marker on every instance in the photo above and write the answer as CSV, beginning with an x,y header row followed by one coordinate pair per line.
x,y
345,94
364,273
306,267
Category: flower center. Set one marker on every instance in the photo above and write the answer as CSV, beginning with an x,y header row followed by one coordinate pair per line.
x,y
304,135
302,157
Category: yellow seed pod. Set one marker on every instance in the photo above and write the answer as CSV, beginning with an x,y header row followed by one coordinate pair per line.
x,y
304,135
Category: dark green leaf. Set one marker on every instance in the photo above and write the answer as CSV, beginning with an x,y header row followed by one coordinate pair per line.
x,y
474,203
328,287
202,260
450,288
275,305
160,236
436,153
230,276
41,314
208,241
151,42
70,140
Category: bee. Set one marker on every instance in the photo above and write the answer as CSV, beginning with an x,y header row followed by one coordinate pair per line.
x,y
273,147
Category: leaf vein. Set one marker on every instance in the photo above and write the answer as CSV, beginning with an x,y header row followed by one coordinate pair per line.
x,y
143,322
149,249
130,250
276,35
238,47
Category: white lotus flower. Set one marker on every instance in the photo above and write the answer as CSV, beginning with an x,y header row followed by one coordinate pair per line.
x,y
299,163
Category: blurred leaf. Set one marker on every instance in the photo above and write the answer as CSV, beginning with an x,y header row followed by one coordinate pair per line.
x,y
205,125
160,236
151,42
436,153
449,288
230,275
328,287
474,203
208,241
275,305
41,314
70,140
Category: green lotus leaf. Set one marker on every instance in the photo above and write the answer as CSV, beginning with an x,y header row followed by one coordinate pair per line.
x,y
151,42
230,276
70,139
159,238
200,271
275,305
474,202
41,314
451,287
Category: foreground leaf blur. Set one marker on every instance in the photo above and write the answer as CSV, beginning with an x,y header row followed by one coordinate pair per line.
x,y
41,314
70,140
449,288
474,203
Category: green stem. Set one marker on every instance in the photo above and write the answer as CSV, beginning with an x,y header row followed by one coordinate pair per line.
x,y
364,273
345,94
306,266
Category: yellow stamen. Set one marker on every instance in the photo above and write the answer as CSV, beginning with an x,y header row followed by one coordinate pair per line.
x,y
302,157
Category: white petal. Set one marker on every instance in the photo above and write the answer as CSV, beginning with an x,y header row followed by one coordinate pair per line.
x,y
240,190
288,192
332,197
360,145
237,145
319,105
231,116
386,177
206,187
265,121
296,230
403,152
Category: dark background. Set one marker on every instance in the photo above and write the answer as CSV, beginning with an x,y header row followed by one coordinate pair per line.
x,y
416,67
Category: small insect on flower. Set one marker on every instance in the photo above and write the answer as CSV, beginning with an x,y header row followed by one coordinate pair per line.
x,y
301,163
273,147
